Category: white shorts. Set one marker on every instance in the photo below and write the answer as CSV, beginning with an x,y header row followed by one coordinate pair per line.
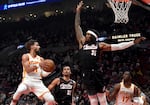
x,y
34,85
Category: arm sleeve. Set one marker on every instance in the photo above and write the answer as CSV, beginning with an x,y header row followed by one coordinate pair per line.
x,y
121,46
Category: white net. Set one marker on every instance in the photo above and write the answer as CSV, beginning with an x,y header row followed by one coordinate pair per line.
x,y
120,9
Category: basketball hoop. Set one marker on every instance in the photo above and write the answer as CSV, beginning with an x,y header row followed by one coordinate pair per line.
x,y
120,9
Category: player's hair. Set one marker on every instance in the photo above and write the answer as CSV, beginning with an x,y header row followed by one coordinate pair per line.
x,y
30,43
65,66
130,74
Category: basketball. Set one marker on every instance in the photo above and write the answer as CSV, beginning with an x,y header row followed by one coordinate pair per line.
x,y
47,65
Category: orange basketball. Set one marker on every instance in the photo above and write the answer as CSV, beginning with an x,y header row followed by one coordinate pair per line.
x,y
47,65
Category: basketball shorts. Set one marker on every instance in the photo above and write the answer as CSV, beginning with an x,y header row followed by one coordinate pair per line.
x,y
36,86
93,82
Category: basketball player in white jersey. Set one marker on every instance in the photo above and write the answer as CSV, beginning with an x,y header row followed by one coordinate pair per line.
x,y
125,91
32,75
89,51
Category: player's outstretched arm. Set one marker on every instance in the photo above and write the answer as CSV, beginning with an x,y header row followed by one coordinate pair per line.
x,y
78,30
120,46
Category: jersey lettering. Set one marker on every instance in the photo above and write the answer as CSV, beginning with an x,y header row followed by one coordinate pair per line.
x,y
125,99
65,86
69,92
93,52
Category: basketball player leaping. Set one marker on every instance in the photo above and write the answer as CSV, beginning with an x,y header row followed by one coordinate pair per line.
x,y
32,75
64,88
88,59
125,91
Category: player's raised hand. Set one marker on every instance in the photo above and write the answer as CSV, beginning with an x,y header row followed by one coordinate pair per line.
x,y
79,6
138,40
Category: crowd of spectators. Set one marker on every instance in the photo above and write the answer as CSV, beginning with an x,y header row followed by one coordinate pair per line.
x,y
57,39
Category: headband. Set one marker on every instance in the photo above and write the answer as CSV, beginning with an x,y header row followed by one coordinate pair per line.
x,y
92,33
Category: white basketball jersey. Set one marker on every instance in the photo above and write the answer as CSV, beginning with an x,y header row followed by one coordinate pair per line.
x,y
36,74
125,95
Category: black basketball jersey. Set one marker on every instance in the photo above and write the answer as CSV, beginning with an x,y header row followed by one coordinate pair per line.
x,y
63,91
89,56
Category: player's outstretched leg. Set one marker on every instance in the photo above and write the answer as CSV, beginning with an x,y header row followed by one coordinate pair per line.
x,y
102,98
22,88
49,99
93,99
